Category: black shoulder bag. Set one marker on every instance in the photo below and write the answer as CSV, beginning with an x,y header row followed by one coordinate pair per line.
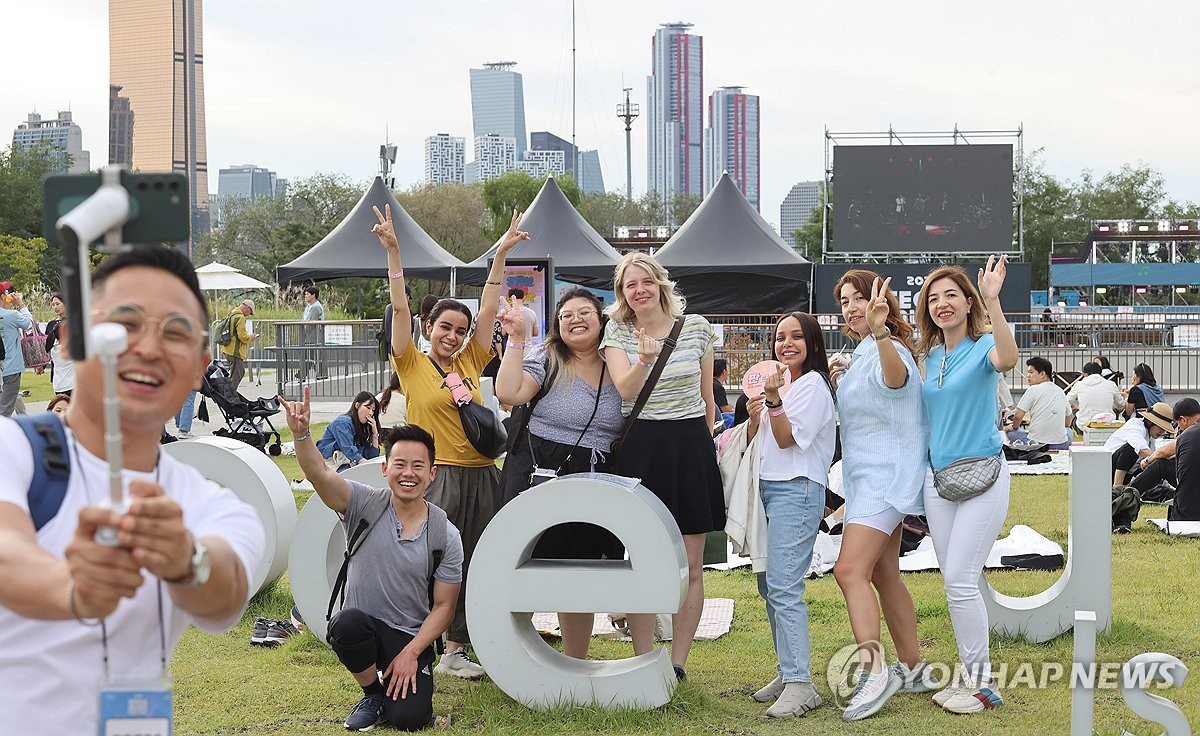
x,y
480,424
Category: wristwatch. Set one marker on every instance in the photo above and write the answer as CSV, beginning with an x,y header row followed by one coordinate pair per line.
x,y
200,570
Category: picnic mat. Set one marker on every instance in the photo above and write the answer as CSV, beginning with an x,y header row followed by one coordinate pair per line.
x,y
714,622
1177,528
1060,464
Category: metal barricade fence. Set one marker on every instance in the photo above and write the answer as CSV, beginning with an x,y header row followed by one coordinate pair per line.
x,y
337,359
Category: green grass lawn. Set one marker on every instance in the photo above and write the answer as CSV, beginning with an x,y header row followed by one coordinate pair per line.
x,y
225,686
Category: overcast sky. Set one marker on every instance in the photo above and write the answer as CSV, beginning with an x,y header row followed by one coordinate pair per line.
x,y
302,87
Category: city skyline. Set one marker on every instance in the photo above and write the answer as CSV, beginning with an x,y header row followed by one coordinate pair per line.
x,y
324,111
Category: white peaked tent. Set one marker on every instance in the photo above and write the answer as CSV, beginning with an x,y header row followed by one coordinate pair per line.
x,y
219,277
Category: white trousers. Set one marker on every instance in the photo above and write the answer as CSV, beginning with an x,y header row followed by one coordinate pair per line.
x,y
963,534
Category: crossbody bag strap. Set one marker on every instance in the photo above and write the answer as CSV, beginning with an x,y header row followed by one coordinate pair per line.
x,y
655,372
586,427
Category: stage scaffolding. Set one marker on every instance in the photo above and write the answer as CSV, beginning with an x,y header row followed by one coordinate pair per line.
x,y
894,137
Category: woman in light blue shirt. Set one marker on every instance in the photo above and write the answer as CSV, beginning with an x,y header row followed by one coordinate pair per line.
x,y
885,453
962,370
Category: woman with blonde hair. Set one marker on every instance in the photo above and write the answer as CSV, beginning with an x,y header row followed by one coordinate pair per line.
x,y
963,365
883,475
670,444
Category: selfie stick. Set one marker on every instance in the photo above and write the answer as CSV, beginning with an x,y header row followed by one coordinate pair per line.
x,y
103,213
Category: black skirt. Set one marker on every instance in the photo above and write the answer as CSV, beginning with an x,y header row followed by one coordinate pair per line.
x,y
574,541
677,461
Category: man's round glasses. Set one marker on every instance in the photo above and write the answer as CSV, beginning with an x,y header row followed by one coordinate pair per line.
x,y
179,335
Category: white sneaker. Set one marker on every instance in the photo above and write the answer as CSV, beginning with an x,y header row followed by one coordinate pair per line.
x,y
185,435
796,699
919,679
870,693
770,691
456,664
973,700
957,684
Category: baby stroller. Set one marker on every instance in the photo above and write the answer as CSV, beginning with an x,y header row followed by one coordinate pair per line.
x,y
248,421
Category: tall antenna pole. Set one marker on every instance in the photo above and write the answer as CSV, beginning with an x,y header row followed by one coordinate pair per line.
x,y
628,111
574,148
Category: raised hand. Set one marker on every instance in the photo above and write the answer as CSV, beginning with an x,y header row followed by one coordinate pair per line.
x,y
773,383
513,235
298,413
384,230
877,305
754,407
648,347
991,277
512,320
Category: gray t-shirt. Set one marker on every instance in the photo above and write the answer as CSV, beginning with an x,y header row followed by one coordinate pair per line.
x,y
563,412
388,575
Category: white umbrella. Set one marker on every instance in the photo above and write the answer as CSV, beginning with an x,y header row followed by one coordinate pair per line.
x,y
219,277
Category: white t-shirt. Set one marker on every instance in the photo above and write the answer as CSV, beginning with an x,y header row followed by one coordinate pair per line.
x,y
52,670
808,405
1134,432
1046,406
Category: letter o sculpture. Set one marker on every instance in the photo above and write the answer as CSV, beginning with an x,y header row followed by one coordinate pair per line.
x,y
505,587
256,480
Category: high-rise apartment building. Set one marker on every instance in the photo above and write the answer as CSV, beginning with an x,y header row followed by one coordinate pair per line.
x,y
731,141
445,158
541,140
156,68
494,155
550,162
675,112
120,128
498,103
61,133
797,207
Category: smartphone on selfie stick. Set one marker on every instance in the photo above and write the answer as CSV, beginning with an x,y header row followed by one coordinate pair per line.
x,y
121,207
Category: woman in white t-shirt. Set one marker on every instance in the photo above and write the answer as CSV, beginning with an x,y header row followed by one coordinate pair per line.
x,y
796,454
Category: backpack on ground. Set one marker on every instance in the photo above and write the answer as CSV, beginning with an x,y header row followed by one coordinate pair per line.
x,y
1126,504
51,465
224,331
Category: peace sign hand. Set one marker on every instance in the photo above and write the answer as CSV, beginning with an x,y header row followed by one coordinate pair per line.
x,y
877,306
512,320
298,413
513,235
991,277
384,230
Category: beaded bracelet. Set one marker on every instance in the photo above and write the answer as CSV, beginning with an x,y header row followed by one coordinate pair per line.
x,y
397,275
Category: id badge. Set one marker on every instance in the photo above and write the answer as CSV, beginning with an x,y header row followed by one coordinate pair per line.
x,y
136,706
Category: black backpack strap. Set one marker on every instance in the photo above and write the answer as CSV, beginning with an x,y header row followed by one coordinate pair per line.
x,y
338,596
435,539
51,465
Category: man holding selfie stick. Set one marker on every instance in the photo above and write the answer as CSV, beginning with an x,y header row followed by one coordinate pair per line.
x,y
80,620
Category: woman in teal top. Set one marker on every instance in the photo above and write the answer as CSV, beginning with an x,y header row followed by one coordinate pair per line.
x,y
963,365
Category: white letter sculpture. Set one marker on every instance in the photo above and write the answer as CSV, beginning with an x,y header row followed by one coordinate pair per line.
x,y
505,587
256,480
1086,582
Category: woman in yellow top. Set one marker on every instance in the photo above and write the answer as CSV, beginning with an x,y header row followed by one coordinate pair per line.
x,y
467,483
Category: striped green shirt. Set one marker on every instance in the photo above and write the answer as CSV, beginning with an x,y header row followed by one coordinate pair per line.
x,y
677,393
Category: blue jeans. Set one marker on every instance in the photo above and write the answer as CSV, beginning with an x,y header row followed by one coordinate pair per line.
x,y
794,509
183,420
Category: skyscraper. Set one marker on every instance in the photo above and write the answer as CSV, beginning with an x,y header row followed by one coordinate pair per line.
x,y
61,133
731,141
156,64
675,112
237,185
445,157
797,207
542,140
498,103
591,179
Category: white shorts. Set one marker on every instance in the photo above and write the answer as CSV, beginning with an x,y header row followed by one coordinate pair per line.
x,y
885,521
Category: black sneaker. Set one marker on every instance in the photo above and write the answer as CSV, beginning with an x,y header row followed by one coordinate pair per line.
x,y
680,673
258,635
279,632
366,715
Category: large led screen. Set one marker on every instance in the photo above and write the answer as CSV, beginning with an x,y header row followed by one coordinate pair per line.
x,y
922,199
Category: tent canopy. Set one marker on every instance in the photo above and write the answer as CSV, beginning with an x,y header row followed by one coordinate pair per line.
x,y
352,250
219,277
728,260
559,232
